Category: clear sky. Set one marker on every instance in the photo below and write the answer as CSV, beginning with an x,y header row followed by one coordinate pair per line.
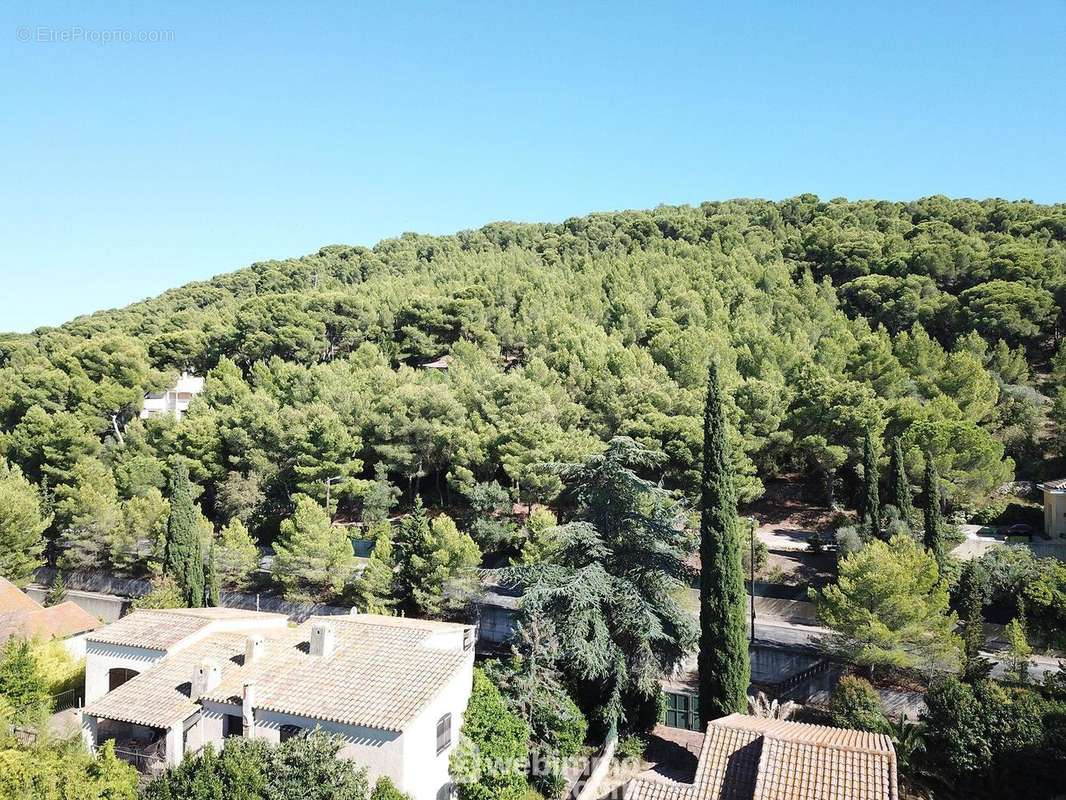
x,y
265,130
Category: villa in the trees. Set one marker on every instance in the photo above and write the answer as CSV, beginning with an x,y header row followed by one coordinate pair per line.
x,y
174,401
163,684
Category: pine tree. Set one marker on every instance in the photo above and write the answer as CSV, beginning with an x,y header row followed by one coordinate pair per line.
x,y
376,584
899,489
58,593
934,525
22,526
723,655
313,558
184,556
870,508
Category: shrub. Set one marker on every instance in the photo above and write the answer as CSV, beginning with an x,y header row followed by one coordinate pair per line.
x,y
385,789
856,704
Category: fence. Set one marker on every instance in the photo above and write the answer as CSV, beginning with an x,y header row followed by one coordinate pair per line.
x,y
71,698
146,762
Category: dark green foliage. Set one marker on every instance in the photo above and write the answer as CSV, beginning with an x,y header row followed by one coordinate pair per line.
x,y
899,488
488,762
856,704
987,741
870,501
184,556
213,593
972,590
305,767
933,529
561,336
57,592
22,684
610,587
723,655
532,686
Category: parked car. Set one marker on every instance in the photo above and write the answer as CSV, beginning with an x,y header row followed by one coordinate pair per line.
x,y
1021,529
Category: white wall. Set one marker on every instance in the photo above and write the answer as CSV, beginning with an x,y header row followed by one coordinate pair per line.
x,y
101,658
410,759
425,772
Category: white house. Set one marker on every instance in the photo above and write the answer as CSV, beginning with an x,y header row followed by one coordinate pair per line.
x,y
163,684
175,400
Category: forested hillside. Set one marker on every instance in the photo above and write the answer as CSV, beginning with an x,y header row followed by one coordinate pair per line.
x,y
938,321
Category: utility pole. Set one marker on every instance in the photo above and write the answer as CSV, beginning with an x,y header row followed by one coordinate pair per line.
x,y
751,520
329,482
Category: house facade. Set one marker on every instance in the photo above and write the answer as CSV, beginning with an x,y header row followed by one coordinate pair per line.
x,y
174,401
1055,507
392,690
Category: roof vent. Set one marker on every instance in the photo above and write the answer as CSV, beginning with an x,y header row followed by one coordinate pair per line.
x,y
208,675
322,639
254,648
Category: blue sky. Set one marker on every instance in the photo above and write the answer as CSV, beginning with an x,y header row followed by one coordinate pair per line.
x,y
266,130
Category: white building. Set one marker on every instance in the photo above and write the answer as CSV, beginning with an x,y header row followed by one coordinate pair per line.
x,y
174,401
163,684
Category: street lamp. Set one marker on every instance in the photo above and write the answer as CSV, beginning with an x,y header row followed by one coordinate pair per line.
x,y
751,520
329,482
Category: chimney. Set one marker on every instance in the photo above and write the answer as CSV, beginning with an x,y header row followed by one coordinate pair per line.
x,y
322,639
254,648
248,710
208,675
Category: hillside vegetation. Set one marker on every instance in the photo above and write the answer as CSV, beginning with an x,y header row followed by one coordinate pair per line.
x,y
937,321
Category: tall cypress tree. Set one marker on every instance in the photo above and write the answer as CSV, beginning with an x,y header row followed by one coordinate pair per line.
x,y
213,590
870,510
184,558
723,657
933,537
972,592
899,488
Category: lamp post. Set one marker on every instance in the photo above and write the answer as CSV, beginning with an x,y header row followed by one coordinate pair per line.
x,y
751,558
329,482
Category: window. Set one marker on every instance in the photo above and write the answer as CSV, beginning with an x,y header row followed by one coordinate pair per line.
x,y
288,731
682,711
232,725
118,676
444,733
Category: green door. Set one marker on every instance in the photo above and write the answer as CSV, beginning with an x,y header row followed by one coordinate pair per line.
x,y
682,711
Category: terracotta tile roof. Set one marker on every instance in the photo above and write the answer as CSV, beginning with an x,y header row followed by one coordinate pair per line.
x,y
12,598
53,622
382,671
750,758
159,696
21,615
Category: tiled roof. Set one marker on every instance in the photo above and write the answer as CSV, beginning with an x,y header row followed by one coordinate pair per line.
x,y
1059,483
155,629
53,622
381,673
751,758
161,629
159,696
12,598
